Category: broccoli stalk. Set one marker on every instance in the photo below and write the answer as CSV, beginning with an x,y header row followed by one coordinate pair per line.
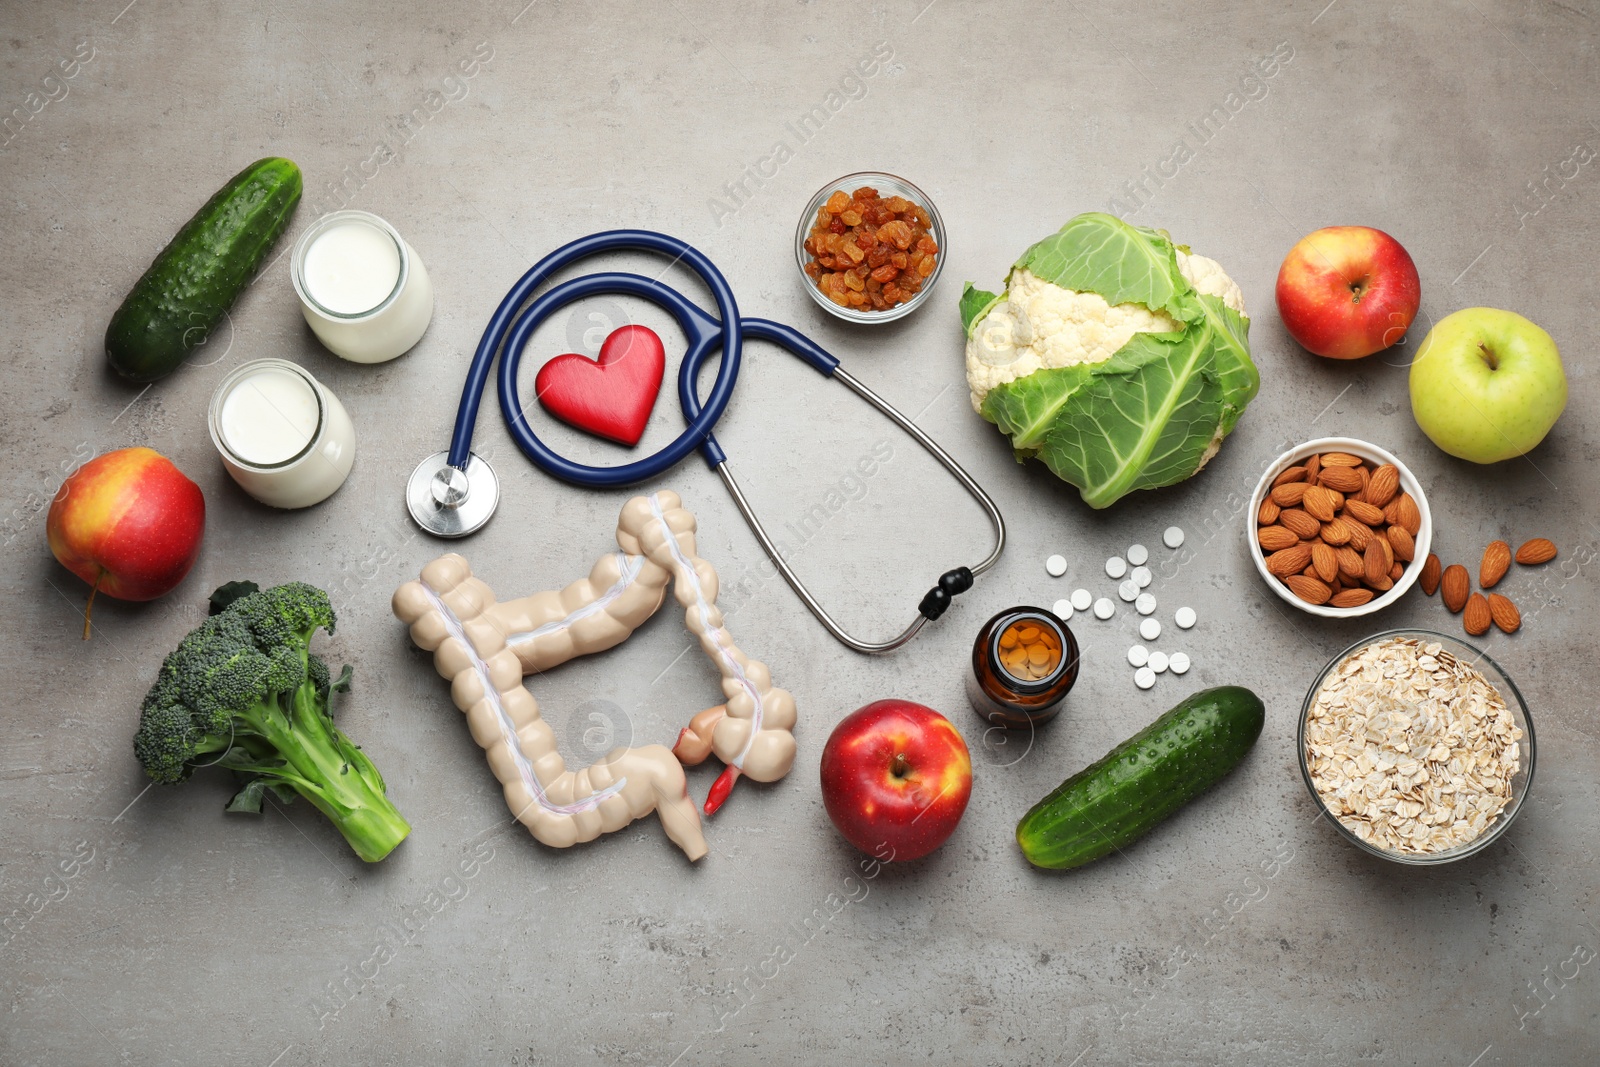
x,y
244,691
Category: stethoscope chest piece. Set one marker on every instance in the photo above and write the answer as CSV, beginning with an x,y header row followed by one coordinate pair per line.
x,y
452,501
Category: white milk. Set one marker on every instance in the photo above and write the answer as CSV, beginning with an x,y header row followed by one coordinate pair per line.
x,y
363,290
282,436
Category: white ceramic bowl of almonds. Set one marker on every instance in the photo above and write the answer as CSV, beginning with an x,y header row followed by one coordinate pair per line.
x,y
1344,448
1417,747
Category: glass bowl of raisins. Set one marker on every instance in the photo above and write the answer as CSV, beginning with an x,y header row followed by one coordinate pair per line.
x,y
869,247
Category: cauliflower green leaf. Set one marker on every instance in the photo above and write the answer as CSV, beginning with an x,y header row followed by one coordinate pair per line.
x,y
1126,264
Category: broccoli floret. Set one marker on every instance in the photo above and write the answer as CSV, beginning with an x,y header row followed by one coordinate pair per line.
x,y
243,691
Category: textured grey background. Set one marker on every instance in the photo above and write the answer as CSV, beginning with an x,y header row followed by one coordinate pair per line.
x,y
1241,932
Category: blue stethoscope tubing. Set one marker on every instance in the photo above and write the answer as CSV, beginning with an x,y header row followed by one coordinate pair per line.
x,y
510,329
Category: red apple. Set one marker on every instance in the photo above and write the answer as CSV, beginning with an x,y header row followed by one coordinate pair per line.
x,y
1348,291
896,777
128,523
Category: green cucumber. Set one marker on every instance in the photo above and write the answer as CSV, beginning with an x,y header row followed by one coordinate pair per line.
x,y
1111,804
174,306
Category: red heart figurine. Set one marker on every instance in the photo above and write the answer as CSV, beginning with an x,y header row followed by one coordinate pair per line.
x,y
610,397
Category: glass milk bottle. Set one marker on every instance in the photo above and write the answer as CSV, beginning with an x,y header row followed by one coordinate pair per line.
x,y
363,290
283,437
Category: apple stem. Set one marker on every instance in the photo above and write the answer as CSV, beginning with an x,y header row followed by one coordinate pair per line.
x,y
900,766
89,607
1488,357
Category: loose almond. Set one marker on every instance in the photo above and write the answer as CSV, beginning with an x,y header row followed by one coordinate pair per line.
x,y
1268,513
1477,617
1326,563
1454,586
1429,578
1504,613
1383,485
1293,474
1537,551
1341,459
1496,561
1304,526
1362,511
1289,494
1400,540
1289,561
1343,479
1350,598
1319,502
1375,562
1311,590
1276,538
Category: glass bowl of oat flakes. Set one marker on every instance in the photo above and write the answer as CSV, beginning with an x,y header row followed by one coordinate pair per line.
x,y
1417,746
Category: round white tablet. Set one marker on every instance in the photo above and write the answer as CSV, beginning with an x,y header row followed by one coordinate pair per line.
x,y
1138,656
1158,662
1081,599
1104,609
1144,677
1116,567
1145,604
1137,554
1056,565
1184,617
1141,576
1179,663
1150,629
1173,537
1063,610
1128,590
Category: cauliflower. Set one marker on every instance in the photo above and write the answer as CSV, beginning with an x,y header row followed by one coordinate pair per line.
x,y
1118,358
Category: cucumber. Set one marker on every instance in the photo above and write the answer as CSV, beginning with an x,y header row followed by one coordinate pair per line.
x,y
1111,804
176,303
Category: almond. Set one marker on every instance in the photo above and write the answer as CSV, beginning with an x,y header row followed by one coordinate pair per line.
x,y
1504,613
1310,571
1496,561
1276,538
1350,598
1310,590
1304,526
1539,550
1396,571
1388,550
1366,476
1408,515
1454,585
1268,513
1391,514
1477,617
1383,485
1326,563
1289,494
1362,511
1336,532
1429,578
1360,534
1376,564
1383,585
1319,502
1400,541
1341,459
1289,561
1351,565
1313,468
1293,474
1343,479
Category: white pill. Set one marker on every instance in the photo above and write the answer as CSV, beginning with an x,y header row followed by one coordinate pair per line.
x,y
1104,609
1173,537
1150,629
1137,554
1116,567
1138,656
1144,677
1145,604
1128,590
1142,576
1056,565
1063,610
1179,663
1081,599
1158,662
1184,617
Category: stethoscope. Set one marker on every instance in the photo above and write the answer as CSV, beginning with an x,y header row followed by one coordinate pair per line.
x,y
452,494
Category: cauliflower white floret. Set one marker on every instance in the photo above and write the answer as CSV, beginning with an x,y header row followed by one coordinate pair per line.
x,y
1038,325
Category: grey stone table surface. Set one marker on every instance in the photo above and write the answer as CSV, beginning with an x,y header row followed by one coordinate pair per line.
x,y
147,927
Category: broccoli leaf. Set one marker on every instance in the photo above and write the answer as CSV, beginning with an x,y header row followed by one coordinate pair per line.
x,y
227,594
975,304
1099,253
341,684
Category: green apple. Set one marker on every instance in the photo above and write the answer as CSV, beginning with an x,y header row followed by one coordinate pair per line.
x,y
1487,384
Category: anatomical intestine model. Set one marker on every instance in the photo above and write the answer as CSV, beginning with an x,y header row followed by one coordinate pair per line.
x,y
485,648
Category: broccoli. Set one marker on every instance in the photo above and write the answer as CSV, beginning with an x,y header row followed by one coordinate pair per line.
x,y
243,691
